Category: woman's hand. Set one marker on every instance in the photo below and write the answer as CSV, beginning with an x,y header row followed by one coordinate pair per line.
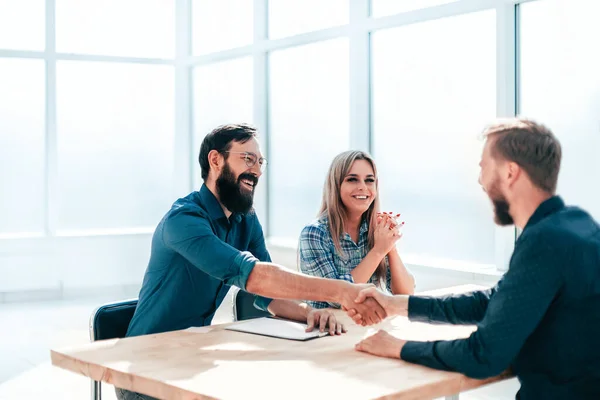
x,y
388,214
387,233
324,319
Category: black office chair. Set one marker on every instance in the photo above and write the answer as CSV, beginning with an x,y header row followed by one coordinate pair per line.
x,y
110,321
243,306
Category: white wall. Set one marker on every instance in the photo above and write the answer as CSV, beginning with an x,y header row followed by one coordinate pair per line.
x,y
59,267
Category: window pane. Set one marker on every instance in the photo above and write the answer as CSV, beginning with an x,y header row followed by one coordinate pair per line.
x,y
115,144
22,24
222,95
219,25
309,109
381,8
22,145
560,87
432,96
133,28
291,17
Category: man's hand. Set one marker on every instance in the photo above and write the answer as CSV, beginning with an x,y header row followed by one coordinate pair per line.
x,y
368,312
324,319
381,344
393,305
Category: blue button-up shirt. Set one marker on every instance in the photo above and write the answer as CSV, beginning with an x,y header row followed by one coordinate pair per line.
x,y
542,318
319,257
197,254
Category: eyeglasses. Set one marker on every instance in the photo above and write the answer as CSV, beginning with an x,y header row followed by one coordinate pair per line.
x,y
251,159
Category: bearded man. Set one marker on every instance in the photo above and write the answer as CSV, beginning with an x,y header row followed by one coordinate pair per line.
x,y
211,239
542,319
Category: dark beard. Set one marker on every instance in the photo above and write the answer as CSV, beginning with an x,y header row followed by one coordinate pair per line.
x,y
233,197
502,216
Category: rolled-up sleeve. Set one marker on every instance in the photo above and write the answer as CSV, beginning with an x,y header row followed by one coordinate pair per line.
x,y
190,234
316,258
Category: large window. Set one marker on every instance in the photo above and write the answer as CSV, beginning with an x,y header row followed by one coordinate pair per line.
x,y
86,147
222,95
560,87
431,98
382,8
133,28
221,24
292,17
103,106
22,24
22,146
309,108
115,144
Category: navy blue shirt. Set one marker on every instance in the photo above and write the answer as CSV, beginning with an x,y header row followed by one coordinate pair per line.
x,y
542,319
197,254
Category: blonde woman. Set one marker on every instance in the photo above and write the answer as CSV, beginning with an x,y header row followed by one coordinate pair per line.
x,y
351,239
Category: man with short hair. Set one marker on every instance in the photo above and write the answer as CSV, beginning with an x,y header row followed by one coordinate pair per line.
x,y
542,319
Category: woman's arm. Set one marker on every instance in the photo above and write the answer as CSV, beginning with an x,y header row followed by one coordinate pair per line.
x,y
366,268
402,281
386,236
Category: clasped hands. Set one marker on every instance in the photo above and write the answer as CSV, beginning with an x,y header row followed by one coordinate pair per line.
x,y
369,305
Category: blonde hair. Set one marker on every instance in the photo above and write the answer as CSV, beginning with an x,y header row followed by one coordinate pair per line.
x,y
333,208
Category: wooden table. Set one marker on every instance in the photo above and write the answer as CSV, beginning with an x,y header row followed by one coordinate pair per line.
x,y
220,364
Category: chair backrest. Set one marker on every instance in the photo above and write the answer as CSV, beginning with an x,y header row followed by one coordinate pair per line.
x,y
110,321
244,306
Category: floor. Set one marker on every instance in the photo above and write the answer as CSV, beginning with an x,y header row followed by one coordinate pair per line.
x,y
29,330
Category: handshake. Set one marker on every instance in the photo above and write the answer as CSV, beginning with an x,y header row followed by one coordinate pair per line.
x,y
367,305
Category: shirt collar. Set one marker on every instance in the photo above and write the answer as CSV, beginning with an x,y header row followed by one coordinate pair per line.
x,y
364,227
212,205
548,207
362,231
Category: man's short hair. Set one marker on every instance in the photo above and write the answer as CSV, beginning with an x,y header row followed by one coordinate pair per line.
x,y
220,139
529,144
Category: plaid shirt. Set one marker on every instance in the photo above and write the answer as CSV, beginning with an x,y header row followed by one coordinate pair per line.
x,y
319,257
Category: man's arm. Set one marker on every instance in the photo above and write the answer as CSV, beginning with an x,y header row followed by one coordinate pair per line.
x,y
190,235
513,313
289,309
458,309
466,309
278,282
